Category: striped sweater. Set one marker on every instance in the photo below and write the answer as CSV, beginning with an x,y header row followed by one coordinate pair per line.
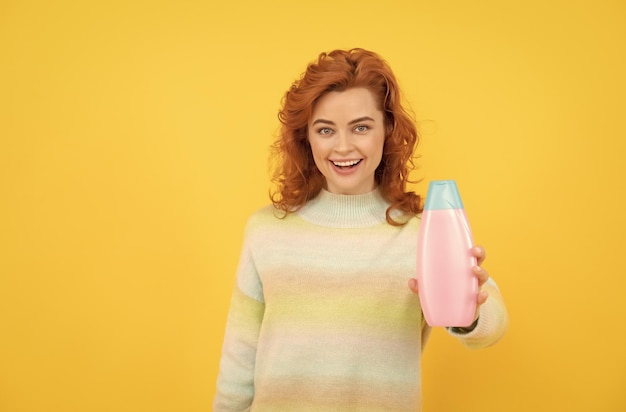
x,y
321,317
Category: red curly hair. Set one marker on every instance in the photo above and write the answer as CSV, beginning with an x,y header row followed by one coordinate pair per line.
x,y
297,178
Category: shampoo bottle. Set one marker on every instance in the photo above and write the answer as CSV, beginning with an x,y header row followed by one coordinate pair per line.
x,y
447,286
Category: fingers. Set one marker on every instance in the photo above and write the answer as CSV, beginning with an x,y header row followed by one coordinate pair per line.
x,y
481,274
479,253
482,298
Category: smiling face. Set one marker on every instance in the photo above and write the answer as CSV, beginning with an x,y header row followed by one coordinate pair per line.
x,y
347,133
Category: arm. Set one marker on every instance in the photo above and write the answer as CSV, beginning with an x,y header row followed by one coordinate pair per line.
x,y
235,382
491,324
491,320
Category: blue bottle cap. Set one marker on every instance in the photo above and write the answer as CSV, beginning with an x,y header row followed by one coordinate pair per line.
x,y
443,194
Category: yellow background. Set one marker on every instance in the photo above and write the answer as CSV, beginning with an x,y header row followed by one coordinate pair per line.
x,y
133,145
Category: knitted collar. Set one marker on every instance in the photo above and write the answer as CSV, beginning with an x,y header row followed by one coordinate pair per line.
x,y
345,211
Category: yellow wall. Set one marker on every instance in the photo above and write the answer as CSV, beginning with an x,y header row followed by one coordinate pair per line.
x,y
133,145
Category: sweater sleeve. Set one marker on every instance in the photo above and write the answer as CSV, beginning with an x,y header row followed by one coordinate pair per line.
x,y
235,382
493,321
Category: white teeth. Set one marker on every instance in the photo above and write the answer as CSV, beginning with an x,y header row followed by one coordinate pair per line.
x,y
346,163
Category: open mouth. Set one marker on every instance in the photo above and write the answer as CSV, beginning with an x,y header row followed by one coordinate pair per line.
x,y
347,164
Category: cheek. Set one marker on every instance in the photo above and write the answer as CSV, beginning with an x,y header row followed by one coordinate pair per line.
x,y
317,159
378,146
317,149
379,150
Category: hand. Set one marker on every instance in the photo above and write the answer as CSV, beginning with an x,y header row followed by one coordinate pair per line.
x,y
481,274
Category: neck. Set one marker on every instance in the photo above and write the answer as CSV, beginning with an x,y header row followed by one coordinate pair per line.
x,y
345,211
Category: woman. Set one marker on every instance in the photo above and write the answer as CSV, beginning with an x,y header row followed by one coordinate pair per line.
x,y
321,316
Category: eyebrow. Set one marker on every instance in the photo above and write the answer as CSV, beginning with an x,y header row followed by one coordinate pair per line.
x,y
357,120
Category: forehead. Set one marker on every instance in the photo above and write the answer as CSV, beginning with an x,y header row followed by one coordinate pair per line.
x,y
351,102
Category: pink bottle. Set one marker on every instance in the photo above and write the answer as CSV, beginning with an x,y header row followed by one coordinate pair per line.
x,y
447,285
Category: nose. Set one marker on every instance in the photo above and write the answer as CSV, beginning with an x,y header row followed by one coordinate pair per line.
x,y
343,143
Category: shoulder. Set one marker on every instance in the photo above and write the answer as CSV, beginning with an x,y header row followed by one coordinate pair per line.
x,y
266,218
410,222
268,225
267,214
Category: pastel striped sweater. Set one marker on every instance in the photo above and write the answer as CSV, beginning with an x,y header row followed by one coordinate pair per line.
x,y
321,317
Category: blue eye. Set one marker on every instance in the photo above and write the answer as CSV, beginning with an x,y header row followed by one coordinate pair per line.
x,y
324,131
361,128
